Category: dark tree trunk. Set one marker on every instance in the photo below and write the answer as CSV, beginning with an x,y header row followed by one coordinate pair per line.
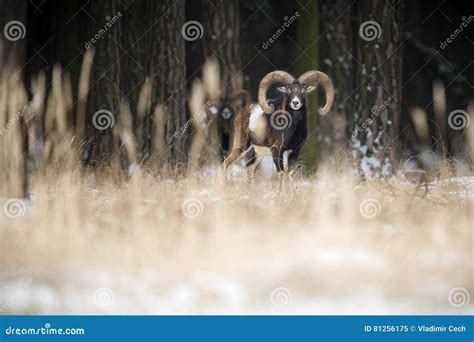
x,y
378,86
105,94
14,141
337,60
169,73
308,42
156,55
144,44
222,40
221,23
14,31
430,59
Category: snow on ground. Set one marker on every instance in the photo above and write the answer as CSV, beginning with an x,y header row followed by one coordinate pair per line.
x,y
309,247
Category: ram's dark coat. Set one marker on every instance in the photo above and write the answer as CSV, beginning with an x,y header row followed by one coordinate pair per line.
x,y
290,138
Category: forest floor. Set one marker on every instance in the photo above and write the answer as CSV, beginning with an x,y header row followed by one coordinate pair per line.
x,y
327,244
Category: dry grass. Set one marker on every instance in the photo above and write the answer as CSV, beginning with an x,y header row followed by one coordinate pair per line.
x,y
309,240
92,242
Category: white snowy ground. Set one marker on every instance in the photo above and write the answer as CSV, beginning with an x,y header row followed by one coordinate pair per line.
x,y
322,258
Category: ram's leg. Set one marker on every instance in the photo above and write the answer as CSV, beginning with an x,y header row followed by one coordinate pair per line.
x,y
294,168
286,160
233,156
278,161
250,157
251,163
239,142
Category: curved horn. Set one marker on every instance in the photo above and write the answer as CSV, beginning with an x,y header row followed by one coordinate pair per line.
x,y
314,77
266,82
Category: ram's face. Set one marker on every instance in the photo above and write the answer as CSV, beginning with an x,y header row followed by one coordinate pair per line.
x,y
226,111
296,94
221,111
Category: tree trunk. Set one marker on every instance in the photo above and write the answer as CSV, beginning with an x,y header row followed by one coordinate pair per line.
x,y
143,46
337,60
13,23
105,94
307,38
378,86
156,57
222,41
221,23
169,74
13,98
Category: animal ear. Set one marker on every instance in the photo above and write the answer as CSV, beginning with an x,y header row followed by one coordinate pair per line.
x,y
310,88
282,89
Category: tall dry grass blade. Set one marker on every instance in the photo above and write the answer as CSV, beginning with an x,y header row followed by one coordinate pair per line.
x,y
84,80
196,149
143,110
439,107
213,143
4,145
38,89
16,147
4,76
1,54
238,81
68,101
211,78
159,142
197,104
200,122
144,101
3,121
427,156
62,147
59,102
34,121
126,132
420,121
470,131
49,134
